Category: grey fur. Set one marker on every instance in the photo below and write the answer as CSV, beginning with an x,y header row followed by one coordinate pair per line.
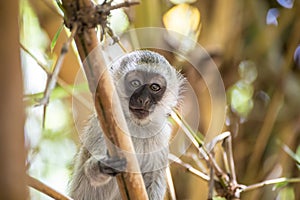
x,y
150,137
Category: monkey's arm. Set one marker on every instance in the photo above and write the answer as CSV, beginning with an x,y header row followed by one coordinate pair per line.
x,y
98,167
88,182
92,172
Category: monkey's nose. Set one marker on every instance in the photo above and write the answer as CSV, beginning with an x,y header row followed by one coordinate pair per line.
x,y
145,102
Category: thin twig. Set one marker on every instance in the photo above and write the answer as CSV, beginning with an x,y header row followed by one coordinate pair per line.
x,y
175,116
211,184
188,167
228,148
45,189
53,77
226,161
270,182
124,4
219,138
35,59
197,161
110,33
60,81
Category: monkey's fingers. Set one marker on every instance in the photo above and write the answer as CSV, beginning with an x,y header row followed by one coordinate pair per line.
x,y
112,166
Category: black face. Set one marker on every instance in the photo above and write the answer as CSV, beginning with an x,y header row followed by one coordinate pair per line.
x,y
145,90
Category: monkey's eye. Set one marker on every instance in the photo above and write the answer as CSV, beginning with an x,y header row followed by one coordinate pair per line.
x,y
135,83
155,87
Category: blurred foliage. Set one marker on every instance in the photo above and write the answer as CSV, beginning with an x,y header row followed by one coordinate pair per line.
x,y
240,94
255,45
50,150
286,193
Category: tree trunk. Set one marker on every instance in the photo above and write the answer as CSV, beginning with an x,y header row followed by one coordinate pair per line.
x,y
12,152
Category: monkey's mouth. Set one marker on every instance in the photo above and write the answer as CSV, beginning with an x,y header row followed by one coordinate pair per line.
x,y
139,112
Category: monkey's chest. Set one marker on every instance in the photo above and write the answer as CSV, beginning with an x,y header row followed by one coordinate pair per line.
x,y
151,156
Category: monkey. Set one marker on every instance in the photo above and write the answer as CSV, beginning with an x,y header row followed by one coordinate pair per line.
x,y
148,88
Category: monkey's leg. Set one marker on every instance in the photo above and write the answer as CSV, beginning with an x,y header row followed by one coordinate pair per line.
x,y
155,184
99,172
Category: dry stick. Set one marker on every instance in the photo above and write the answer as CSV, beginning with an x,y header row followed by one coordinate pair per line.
x,y
211,183
270,182
188,167
228,148
108,108
38,185
226,162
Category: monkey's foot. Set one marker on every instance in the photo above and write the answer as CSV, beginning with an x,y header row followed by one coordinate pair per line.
x,y
112,165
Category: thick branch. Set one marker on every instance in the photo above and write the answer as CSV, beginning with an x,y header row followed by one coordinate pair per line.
x,y
108,107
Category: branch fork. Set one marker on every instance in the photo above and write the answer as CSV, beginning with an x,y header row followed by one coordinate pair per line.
x,y
92,16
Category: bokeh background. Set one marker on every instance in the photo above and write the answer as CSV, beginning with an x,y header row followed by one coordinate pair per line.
x,y
254,44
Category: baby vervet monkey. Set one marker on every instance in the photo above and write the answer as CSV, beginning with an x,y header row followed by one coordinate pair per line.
x,y
148,88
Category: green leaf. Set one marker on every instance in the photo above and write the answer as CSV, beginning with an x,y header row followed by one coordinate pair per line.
x,y
298,156
54,40
295,156
280,185
59,4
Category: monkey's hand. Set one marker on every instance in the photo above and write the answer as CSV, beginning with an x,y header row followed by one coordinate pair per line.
x,y
99,172
112,165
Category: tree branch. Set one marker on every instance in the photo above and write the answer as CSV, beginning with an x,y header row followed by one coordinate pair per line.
x,y
45,189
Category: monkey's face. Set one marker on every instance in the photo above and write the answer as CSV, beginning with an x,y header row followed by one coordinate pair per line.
x,y
145,90
148,88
